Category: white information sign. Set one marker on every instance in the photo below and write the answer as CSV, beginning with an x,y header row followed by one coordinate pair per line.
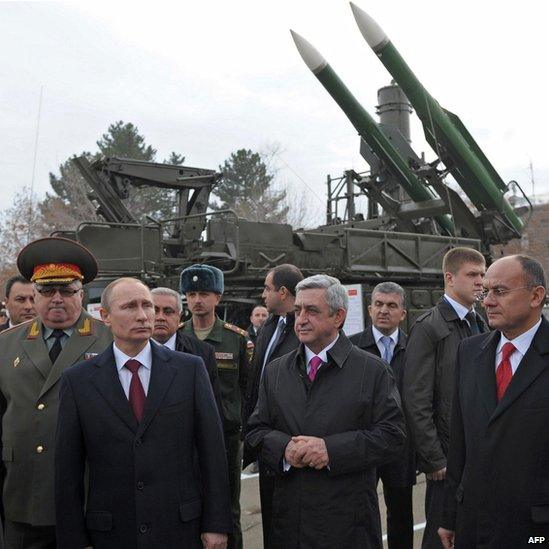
x,y
354,322
93,309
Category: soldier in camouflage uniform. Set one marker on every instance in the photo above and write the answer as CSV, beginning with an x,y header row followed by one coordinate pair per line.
x,y
203,287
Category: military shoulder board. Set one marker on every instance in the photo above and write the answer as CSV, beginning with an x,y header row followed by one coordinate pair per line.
x,y
235,329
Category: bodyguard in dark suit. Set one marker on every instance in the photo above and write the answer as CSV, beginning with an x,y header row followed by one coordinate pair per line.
x,y
167,313
385,339
33,355
497,481
258,316
328,414
429,374
135,417
276,338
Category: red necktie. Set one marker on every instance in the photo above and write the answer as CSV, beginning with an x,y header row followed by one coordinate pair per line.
x,y
314,365
137,394
504,372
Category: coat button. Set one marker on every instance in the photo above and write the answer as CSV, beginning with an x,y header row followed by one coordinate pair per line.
x,y
138,442
39,449
143,528
41,406
140,485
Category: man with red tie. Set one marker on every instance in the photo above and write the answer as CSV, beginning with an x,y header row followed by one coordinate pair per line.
x,y
142,422
497,479
327,415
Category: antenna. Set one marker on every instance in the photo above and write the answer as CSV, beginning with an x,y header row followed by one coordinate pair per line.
x,y
531,169
31,193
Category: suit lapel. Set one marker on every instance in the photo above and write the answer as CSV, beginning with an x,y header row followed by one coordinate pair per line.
x,y
162,374
80,341
531,366
36,349
486,373
107,382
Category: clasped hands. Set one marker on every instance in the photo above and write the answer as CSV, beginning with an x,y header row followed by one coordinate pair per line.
x,y
303,451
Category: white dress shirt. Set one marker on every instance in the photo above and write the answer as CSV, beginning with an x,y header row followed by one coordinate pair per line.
x,y
522,344
323,355
170,343
144,372
460,309
378,335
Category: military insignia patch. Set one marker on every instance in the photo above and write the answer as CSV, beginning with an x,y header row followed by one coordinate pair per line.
x,y
224,356
34,331
85,330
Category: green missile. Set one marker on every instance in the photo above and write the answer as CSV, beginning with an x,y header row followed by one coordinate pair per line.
x,y
367,127
444,131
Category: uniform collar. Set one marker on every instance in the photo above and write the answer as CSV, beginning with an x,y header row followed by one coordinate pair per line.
x,y
48,331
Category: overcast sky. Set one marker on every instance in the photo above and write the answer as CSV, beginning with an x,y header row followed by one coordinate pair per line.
x,y
207,78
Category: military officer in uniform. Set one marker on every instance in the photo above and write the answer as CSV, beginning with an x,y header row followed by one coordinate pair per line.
x,y
203,287
33,355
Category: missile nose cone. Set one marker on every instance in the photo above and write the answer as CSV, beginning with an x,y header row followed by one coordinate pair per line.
x,y
309,53
372,32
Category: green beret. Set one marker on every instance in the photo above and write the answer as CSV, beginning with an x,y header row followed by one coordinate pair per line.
x,y
201,278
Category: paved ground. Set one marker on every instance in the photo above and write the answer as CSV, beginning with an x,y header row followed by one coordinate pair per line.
x,y
251,513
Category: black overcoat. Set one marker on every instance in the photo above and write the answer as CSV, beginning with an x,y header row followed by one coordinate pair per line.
x,y
354,406
144,489
497,481
286,342
186,343
401,472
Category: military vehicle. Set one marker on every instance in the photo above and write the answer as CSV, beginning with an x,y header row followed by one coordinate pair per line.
x,y
413,215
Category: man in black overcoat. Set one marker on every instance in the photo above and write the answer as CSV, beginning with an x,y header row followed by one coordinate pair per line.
x,y
328,414
497,481
276,338
429,374
385,339
135,420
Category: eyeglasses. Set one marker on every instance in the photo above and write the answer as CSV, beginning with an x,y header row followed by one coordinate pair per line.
x,y
498,292
49,291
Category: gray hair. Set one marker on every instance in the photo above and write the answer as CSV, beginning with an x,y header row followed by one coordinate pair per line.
x,y
533,271
169,292
336,294
390,288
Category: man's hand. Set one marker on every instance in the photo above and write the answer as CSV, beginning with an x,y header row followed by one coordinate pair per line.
x,y
447,538
313,451
294,453
214,541
437,475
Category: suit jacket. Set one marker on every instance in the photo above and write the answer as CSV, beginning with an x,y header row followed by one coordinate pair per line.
x,y
186,343
144,490
401,472
287,342
497,480
354,406
4,326
29,384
